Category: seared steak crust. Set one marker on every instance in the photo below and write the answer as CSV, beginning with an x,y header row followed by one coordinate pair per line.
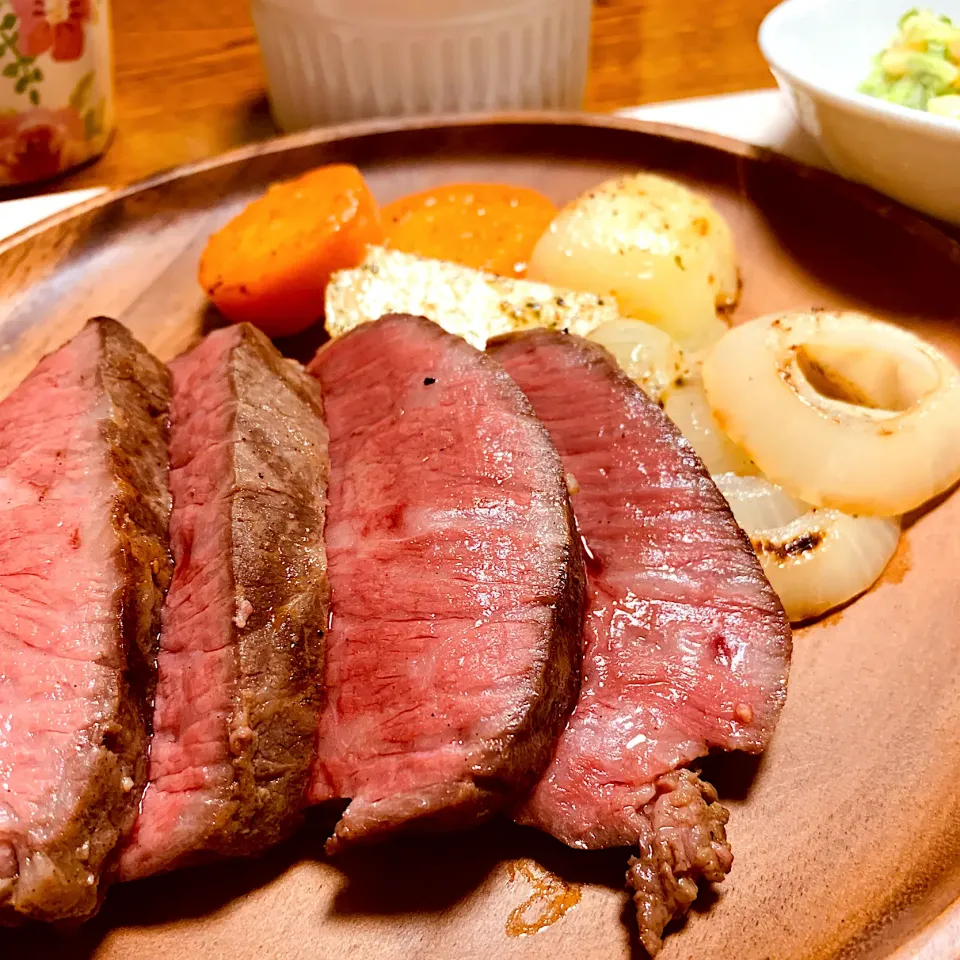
x,y
84,564
242,637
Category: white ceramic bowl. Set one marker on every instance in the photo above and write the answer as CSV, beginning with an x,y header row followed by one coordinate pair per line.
x,y
337,60
820,51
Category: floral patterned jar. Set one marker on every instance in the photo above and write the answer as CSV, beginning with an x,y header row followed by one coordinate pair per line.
x,y
56,86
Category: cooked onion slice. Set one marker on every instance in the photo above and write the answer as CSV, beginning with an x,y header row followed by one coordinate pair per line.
x,y
842,410
815,559
758,504
685,403
645,353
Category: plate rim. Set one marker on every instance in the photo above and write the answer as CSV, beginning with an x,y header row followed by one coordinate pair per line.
x,y
917,224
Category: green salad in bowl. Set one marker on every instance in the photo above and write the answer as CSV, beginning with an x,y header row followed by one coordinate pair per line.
x,y
921,67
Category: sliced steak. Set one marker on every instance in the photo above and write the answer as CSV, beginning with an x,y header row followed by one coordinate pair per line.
x,y
457,584
686,645
84,563
236,709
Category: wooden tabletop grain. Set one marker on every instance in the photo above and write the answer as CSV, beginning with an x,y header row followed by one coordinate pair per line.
x,y
190,84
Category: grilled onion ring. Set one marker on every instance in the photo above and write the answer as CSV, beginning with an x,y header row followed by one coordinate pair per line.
x,y
814,559
842,410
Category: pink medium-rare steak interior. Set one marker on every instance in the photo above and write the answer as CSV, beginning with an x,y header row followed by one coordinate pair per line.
x,y
456,578
241,645
84,562
686,645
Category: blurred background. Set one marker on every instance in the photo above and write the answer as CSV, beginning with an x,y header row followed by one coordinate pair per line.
x,y
189,80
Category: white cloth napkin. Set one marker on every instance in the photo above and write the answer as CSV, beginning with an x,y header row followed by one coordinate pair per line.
x,y
18,214
760,117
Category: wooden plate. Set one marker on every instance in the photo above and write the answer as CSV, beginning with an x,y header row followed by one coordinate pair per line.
x,y
847,834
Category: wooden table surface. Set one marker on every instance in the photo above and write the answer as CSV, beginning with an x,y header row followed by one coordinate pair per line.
x,y
190,84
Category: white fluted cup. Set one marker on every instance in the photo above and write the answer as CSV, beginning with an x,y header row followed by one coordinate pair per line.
x,y
331,61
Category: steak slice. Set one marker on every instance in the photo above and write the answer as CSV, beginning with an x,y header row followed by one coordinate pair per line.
x,y
457,584
686,644
236,710
84,563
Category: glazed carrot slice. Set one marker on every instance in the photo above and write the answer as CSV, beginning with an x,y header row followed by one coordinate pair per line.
x,y
484,225
271,263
